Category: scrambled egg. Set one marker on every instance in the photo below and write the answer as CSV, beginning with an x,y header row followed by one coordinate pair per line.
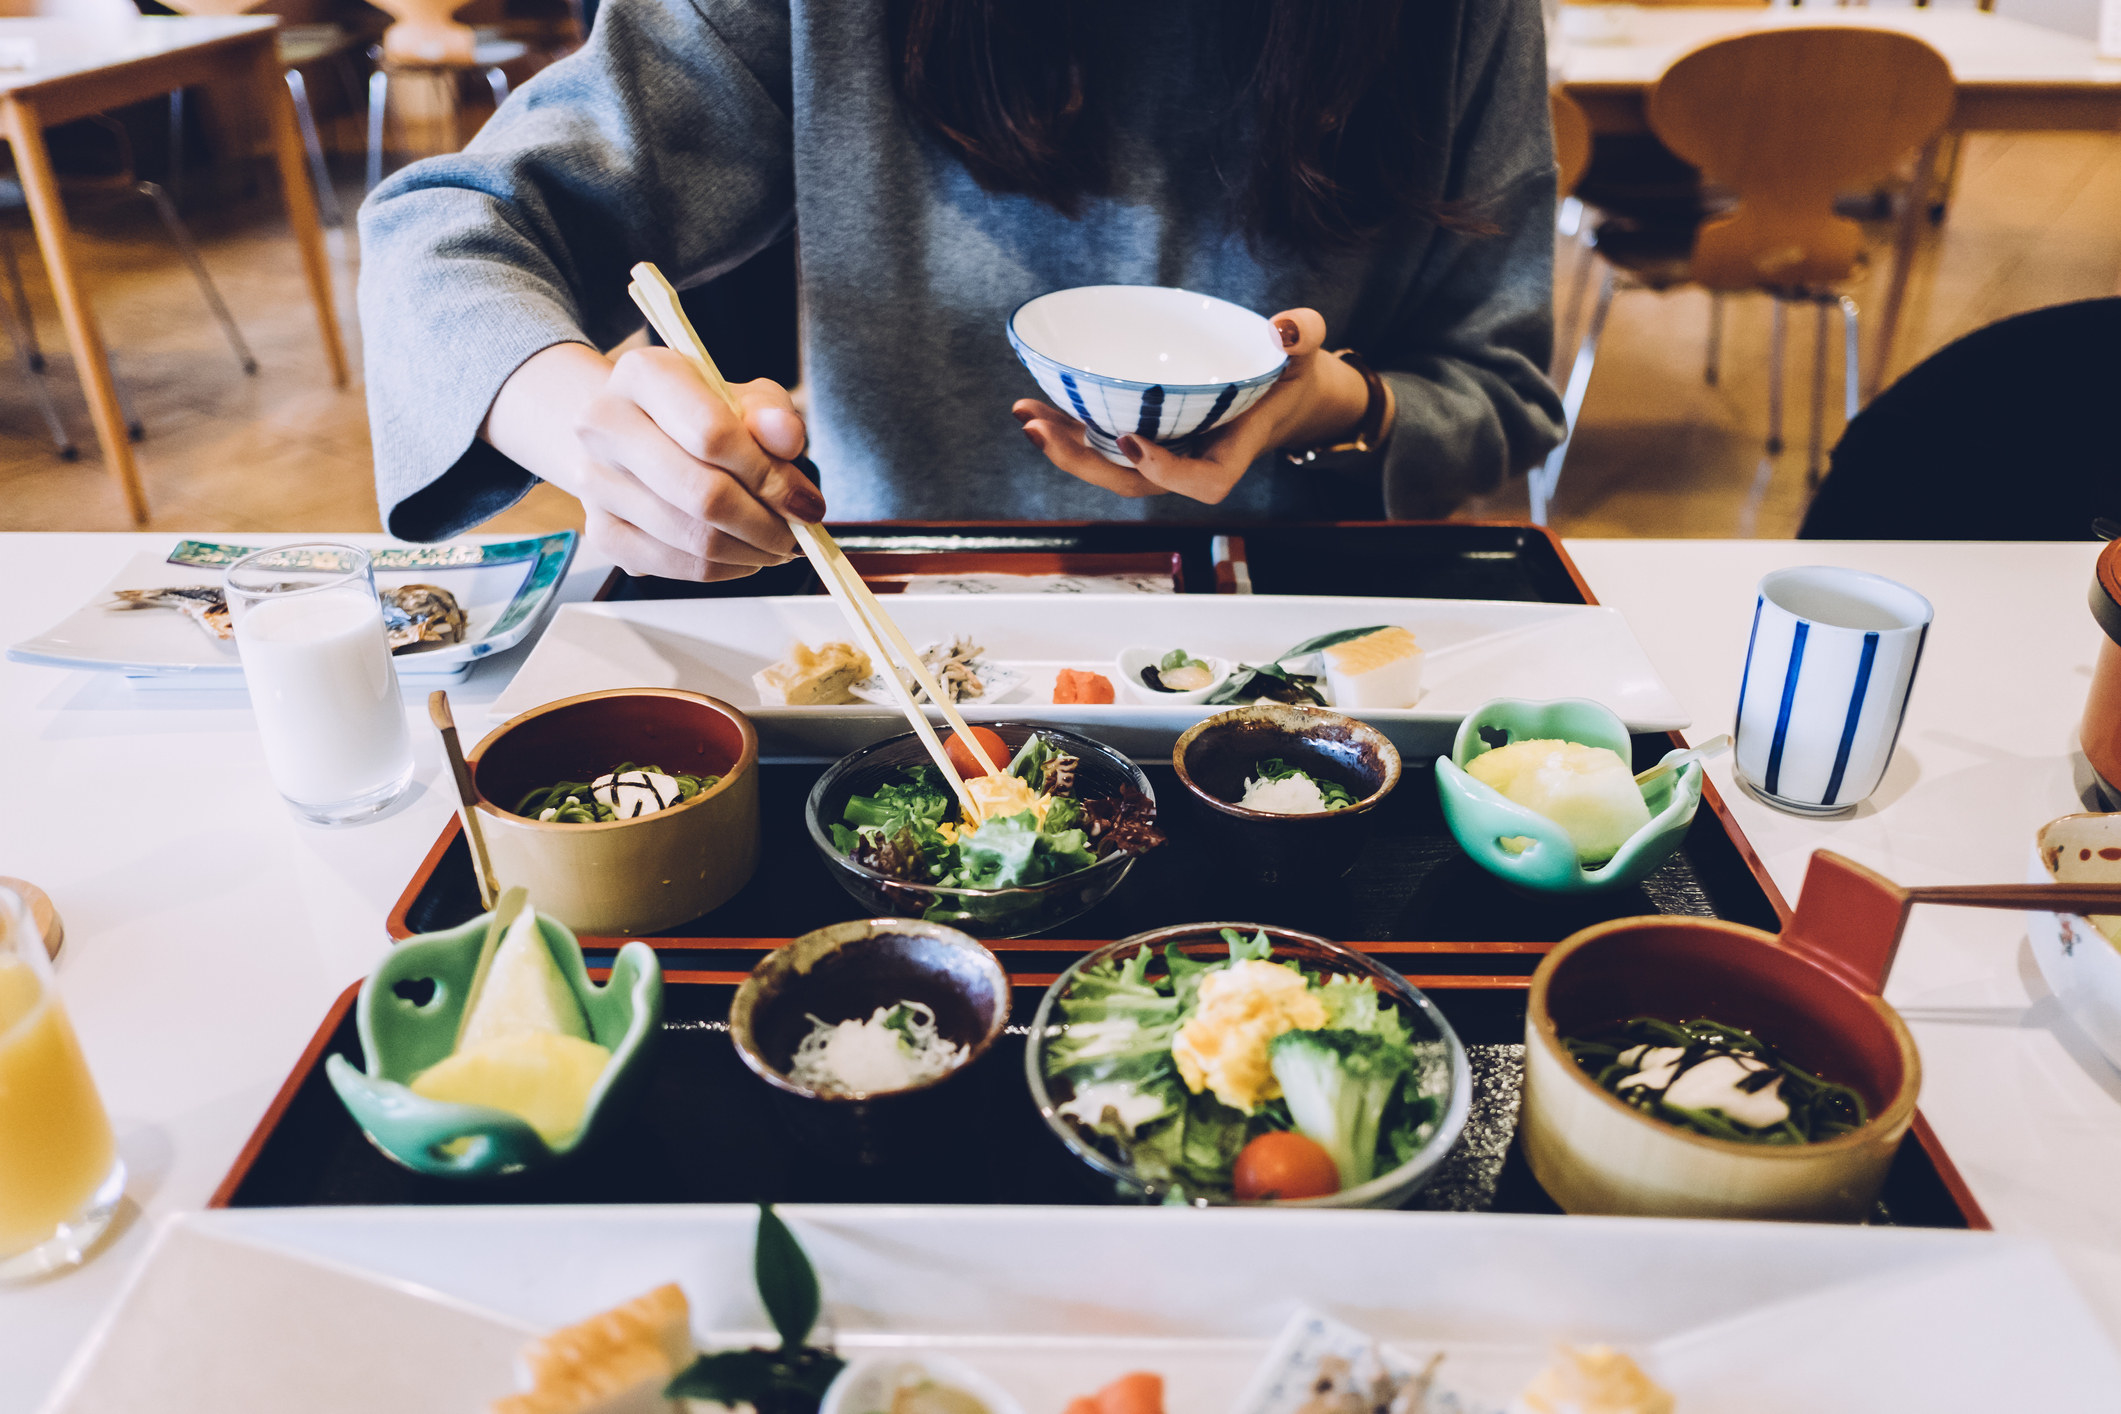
x,y
1242,1008
996,797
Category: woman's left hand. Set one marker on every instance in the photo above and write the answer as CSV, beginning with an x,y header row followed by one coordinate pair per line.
x,y
1317,399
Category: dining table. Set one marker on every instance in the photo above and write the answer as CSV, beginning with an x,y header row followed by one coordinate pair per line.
x,y
207,930
2010,76
55,70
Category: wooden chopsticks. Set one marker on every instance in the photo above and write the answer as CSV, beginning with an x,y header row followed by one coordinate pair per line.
x,y
659,301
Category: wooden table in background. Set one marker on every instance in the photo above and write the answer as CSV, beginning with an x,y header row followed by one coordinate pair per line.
x,y
2012,77
81,68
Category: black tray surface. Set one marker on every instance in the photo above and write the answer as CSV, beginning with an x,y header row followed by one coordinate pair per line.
x,y
1420,560
1411,881
704,1129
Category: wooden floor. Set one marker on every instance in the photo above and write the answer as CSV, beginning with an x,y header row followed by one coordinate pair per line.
x,y
2036,221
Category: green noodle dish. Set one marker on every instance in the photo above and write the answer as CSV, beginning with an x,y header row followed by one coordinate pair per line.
x,y
1716,1080
625,793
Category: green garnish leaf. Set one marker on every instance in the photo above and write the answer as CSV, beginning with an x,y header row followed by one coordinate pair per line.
x,y
1174,660
1336,795
768,1380
787,1282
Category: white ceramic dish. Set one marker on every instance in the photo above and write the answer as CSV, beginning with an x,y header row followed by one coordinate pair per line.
x,y
1159,363
1054,1302
506,589
1476,650
2081,964
868,1383
1133,660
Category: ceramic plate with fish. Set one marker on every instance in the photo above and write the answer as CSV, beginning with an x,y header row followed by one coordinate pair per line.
x,y
167,632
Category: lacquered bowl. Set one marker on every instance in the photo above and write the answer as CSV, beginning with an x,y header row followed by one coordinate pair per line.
x,y
1215,757
1812,993
1481,817
1160,363
985,913
1435,1042
623,876
401,1037
844,973
2079,962
2100,733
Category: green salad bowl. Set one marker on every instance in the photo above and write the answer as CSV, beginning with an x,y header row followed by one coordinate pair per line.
x,y
402,1037
1481,817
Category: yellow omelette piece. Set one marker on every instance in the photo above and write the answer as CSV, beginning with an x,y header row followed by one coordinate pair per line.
x,y
540,1077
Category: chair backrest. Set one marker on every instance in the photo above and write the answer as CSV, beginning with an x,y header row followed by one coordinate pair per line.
x,y
2005,434
1572,139
426,32
1787,120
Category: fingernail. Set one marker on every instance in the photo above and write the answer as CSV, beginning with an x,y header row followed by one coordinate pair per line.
x,y
1131,448
804,503
1287,329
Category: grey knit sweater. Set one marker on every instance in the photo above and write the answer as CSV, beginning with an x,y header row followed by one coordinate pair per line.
x,y
694,133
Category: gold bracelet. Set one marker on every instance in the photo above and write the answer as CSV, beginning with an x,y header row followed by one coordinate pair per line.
x,y
1369,433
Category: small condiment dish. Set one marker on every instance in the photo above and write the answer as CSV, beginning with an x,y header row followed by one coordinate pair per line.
x,y
1215,758
1135,660
401,1037
844,973
2079,960
1481,817
1813,993
638,875
1162,364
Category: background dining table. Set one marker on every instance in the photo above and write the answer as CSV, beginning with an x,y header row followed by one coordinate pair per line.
x,y
208,931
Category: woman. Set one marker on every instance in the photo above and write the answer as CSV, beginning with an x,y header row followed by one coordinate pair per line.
x,y
1379,172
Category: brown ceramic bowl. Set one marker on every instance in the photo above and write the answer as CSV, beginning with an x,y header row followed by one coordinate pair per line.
x,y
623,876
845,972
1215,757
1595,1154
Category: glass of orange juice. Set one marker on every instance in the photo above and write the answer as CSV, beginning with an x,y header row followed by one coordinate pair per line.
x,y
60,1175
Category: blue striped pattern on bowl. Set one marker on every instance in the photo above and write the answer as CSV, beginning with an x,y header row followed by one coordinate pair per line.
x,y
1108,407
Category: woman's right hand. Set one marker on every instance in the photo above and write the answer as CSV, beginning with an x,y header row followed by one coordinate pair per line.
x,y
671,482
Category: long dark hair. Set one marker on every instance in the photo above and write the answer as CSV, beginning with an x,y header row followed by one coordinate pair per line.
x,y
1011,86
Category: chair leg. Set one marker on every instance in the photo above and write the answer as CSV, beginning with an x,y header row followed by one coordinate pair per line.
x,y
190,252
497,85
1712,370
1776,332
20,298
135,430
1541,483
34,376
1851,356
1568,216
1579,281
319,173
378,105
1816,444
176,140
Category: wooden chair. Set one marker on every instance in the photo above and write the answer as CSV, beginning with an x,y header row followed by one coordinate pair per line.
x,y
1784,121
428,41
299,45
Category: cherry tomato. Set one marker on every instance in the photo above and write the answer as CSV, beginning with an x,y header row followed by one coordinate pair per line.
x,y
1284,1164
967,764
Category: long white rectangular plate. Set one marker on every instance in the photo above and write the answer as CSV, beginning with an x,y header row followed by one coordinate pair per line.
x,y
1733,1318
1476,649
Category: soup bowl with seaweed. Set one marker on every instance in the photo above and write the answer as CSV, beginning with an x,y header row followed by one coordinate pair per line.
x,y
627,811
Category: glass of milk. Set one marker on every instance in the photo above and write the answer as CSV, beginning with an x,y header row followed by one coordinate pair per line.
x,y
309,629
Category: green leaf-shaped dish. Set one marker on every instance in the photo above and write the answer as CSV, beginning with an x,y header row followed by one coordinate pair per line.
x,y
1481,817
401,1039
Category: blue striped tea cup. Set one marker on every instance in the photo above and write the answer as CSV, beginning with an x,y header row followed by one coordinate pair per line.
x,y
1163,364
1828,670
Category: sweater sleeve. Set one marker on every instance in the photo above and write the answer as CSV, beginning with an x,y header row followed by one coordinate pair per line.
x,y
1467,358
668,137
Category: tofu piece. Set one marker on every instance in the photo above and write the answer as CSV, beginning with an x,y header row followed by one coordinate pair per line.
x,y
1381,669
1587,790
616,1362
812,677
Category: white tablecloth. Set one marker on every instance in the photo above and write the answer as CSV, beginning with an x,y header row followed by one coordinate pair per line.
x,y
208,931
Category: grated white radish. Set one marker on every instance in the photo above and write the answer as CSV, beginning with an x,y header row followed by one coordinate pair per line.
x,y
869,1057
